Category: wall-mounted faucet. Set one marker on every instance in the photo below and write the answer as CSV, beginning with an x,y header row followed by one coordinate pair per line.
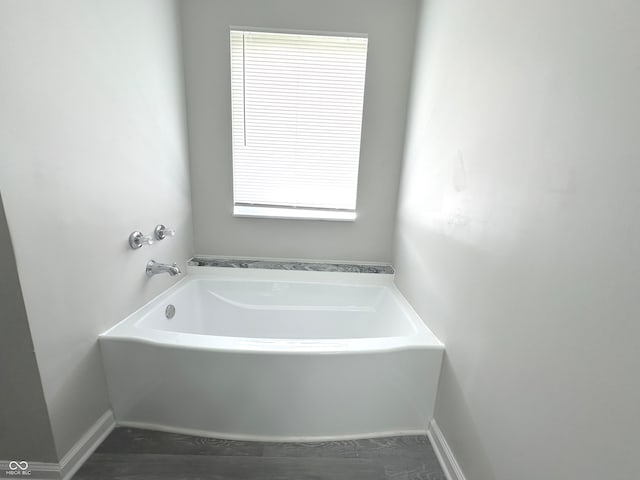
x,y
153,268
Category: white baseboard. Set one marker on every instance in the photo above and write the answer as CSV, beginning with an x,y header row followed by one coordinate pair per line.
x,y
80,452
448,462
70,463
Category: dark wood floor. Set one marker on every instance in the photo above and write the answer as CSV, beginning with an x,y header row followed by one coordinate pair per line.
x,y
134,454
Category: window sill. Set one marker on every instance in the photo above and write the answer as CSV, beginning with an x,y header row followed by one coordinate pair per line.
x,y
293,213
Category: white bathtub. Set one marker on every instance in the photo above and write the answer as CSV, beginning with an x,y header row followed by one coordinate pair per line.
x,y
275,355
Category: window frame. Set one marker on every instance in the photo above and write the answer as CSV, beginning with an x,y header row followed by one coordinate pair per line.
x,y
300,212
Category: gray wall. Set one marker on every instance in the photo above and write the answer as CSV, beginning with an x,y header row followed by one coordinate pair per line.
x,y
25,432
518,237
92,147
391,29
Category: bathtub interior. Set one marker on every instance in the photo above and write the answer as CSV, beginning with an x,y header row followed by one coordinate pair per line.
x,y
281,309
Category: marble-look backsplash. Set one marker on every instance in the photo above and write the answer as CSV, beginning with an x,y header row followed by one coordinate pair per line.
x,y
290,265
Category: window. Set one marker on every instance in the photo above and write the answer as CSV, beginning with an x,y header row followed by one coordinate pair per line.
x,y
296,122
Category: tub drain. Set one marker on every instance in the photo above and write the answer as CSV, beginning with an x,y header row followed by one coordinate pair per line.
x,y
170,311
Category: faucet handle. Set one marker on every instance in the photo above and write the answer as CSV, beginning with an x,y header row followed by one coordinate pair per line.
x,y
148,240
138,239
161,232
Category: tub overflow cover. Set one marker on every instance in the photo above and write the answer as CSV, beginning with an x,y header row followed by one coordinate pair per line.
x,y
170,311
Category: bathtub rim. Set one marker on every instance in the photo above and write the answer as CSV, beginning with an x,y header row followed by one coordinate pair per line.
x,y
127,330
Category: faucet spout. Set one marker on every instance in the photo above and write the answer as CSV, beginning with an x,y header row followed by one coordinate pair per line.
x,y
153,268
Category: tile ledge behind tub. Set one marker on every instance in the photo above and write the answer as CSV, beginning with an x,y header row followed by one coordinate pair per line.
x,y
290,265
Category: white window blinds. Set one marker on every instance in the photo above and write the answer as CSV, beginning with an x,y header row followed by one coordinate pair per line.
x,y
297,116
